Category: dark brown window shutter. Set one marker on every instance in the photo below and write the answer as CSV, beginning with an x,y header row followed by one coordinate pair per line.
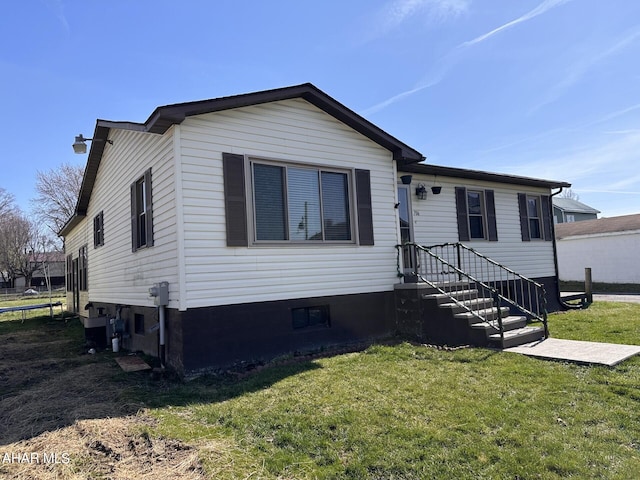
x,y
524,218
363,207
235,200
545,204
461,212
492,225
149,202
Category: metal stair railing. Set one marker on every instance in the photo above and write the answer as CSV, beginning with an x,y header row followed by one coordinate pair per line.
x,y
452,264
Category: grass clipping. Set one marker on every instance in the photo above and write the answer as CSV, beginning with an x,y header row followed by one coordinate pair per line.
x,y
114,448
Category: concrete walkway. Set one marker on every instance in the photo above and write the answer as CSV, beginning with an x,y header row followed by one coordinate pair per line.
x,y
577,351
609,297
616,297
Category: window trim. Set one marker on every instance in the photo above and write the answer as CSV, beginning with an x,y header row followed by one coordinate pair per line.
x,y
137,243
489,219
83,269
546,222
482,215
69,272
251,160
98,230
539,218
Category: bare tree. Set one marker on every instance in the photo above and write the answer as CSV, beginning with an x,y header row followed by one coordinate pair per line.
x,y
14,238
23,247
58,191
569,193
7,202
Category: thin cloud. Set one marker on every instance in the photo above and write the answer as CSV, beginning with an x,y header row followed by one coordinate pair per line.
x,y
392,100
57,7
428,81
618,113
578,70
539,10
397,12
599,166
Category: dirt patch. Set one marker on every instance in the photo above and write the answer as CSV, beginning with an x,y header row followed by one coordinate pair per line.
x,y
63,414
116,448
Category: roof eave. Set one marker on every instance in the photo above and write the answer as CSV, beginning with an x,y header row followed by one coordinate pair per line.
x,y
163,117
482,175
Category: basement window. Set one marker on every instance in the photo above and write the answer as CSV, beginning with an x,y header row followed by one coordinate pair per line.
x,y
138,324
310,317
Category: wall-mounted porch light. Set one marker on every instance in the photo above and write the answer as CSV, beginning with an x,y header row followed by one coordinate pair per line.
x,y
421,192
79,146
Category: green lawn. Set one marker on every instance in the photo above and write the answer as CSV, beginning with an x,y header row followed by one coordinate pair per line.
x,y
29,300
410,411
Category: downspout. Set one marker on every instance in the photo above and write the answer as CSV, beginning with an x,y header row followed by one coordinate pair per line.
x,y
161,321
561,302
160,294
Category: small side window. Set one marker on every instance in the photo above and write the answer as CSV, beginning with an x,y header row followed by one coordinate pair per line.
x,y
141,213
98,230
83,269
476,215
535,217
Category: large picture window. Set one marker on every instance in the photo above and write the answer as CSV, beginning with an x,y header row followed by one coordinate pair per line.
x,y
301,204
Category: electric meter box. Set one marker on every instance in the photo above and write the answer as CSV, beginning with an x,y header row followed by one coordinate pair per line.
x,y
160,293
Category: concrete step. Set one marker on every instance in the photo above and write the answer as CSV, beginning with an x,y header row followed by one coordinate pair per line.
x,y
451,286
441,298
474,304
487,313
512,322
518,336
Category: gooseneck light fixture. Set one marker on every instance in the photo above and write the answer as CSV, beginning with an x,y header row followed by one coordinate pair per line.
x,y
79,146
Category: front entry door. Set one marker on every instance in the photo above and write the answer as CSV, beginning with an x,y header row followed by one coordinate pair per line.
x,y
404,211
406,225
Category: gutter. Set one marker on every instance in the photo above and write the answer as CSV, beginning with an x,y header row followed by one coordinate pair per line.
x,y
562,303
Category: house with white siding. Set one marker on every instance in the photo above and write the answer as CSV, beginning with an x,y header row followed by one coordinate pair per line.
x,y
272,219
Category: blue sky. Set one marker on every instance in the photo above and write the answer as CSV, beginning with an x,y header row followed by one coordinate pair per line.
x,y
541,88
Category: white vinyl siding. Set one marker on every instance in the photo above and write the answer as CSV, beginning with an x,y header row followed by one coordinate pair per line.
x,y
72,245
611,256
434,222
295,132
116,274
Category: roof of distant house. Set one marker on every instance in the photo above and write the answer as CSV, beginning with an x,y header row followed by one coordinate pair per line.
x,y
572,206
601,225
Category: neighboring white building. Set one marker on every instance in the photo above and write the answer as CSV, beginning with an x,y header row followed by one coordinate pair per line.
x,y
274,217
609,246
